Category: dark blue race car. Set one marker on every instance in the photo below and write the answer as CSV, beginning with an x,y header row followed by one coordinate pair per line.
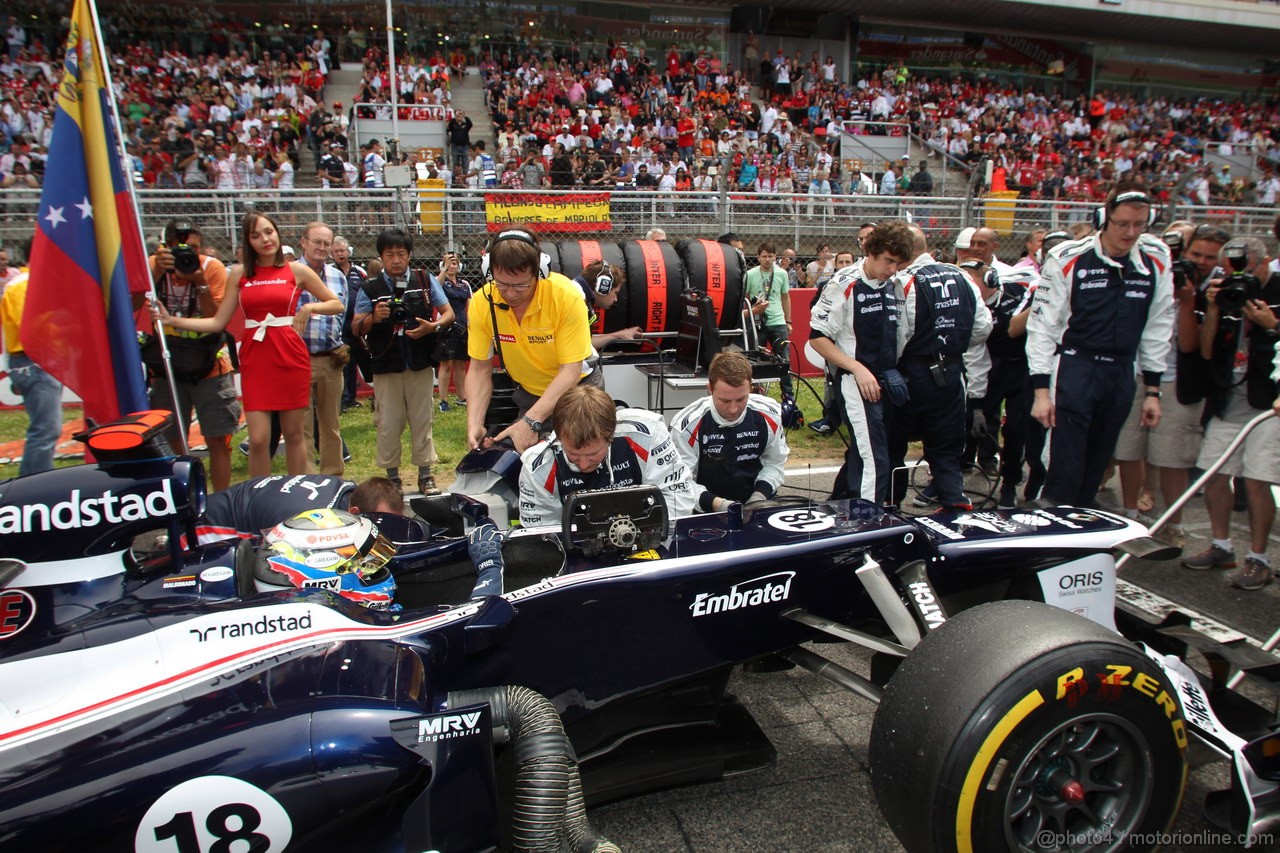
x,y
167,703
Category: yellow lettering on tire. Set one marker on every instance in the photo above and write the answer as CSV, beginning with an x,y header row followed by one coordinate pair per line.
x,y
1067,679
982,760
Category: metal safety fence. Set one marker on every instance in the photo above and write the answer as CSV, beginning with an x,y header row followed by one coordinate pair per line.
x,y
462,220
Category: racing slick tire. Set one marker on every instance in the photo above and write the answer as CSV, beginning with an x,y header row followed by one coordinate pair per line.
x,y
655,280
716,269
1020,726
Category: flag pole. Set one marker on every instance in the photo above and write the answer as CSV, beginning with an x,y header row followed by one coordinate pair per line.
x,y
126,164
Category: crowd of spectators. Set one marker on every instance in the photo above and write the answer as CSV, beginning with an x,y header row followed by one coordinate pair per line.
x,y
771,126
227,118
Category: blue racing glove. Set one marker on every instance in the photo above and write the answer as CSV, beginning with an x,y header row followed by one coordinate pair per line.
x,y
484,546
895,386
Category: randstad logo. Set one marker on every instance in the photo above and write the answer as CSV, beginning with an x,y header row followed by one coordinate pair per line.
x,y
77,512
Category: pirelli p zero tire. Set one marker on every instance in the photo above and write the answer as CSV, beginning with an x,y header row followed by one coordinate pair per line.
x,y
1017,726
655,280
577,255
716,268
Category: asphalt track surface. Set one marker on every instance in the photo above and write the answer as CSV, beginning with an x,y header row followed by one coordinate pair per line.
x,y
818,797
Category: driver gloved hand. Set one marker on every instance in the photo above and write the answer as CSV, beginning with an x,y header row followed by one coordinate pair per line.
x,y
484,546
756,497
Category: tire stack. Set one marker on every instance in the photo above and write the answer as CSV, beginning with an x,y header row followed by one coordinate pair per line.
x,y
716,269
656,273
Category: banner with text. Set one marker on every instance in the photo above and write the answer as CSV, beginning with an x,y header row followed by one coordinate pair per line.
x,y
564,212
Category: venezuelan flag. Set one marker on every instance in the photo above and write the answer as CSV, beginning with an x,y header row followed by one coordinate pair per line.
x,y
87,256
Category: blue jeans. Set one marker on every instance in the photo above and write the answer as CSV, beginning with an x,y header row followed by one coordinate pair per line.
x,y
42,398
780,340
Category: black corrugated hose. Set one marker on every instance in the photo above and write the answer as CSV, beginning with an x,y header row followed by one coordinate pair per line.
x,y
549,814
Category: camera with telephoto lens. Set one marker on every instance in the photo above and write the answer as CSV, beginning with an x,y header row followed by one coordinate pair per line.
x,y
1239,287
186,260
1183,270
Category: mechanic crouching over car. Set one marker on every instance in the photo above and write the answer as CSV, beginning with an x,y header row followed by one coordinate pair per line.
x,y
597,446
732,440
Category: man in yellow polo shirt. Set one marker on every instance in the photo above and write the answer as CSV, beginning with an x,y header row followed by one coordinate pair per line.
x,y
542,339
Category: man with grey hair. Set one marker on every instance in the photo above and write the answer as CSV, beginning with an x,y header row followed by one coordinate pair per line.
x,y
329,355
1238,338
656,234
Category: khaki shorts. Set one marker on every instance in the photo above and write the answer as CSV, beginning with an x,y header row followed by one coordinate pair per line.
x,y
214,399
1258,458
1173,443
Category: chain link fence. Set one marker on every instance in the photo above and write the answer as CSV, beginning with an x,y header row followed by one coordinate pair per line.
x,y
458,218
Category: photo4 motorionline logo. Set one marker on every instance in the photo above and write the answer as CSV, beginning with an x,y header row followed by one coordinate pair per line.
x,y
1049,839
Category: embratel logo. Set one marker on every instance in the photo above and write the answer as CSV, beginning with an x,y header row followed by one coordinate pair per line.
x,y
76,512
765,589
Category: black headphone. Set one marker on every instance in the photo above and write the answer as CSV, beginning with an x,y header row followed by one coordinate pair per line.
x,y
544,260
1051,239
990,278
1126,197
604,282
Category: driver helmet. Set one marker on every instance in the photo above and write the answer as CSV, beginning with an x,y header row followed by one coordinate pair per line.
x,y
329,549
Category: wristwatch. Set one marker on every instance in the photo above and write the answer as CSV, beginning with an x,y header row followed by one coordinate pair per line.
x,y
1156,394
536,426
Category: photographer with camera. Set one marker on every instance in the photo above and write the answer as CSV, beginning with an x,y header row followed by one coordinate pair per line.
x,y
394,313
191,284
1238,339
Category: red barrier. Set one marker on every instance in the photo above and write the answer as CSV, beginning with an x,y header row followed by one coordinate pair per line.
x,y
800,299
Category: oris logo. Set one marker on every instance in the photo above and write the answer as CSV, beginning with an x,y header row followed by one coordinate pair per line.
x,y
1083,579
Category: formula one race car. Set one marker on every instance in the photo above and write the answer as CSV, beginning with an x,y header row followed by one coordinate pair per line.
x,y
169,704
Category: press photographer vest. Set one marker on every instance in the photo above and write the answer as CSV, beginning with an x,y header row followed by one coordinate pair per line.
x,y
1259,349
395,353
